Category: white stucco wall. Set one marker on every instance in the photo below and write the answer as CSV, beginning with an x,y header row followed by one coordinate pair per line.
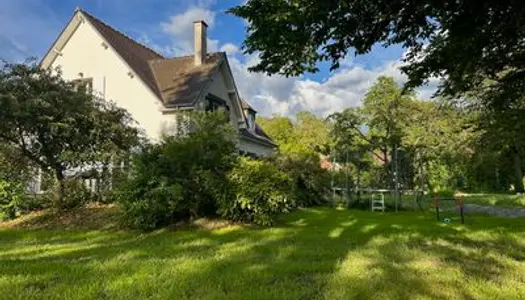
x,y
84,53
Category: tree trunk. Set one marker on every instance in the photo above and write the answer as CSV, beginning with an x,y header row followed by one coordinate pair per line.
x,y
387,175
518,172
429,185
61,189
358,186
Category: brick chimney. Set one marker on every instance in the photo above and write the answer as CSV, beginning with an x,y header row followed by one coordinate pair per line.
x,y
200,41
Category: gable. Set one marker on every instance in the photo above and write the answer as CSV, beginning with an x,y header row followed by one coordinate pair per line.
x,y
133,54
84,56
176,81
221,84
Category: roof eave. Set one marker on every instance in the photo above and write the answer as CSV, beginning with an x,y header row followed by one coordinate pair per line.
x,y
260,140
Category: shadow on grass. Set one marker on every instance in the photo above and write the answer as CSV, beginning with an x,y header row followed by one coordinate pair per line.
x,y
311,254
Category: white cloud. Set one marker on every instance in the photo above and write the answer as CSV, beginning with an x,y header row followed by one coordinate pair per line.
x,y
286,96
180,27
230,48
277,94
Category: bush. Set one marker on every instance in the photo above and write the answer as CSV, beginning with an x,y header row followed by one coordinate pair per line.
x,y
35,202
151,208
11,196
199,162
445,193
76,194
260,191
312,183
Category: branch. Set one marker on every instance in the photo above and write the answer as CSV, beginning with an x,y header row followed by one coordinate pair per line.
x,y
21,146
368,141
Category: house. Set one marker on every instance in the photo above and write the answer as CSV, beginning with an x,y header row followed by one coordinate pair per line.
x,y
151,87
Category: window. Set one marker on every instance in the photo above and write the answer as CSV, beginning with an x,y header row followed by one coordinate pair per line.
x,y
251,121
84,84
215,103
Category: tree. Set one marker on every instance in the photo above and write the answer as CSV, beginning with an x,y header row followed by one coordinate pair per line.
x,y
351,143
302,145
376,127
440,139
430,138
386,109
57,125
279,128
14,166
463,42
312,132
502,132
308,134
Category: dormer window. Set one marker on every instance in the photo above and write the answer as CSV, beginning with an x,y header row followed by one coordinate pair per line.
x,y
251,120
249,112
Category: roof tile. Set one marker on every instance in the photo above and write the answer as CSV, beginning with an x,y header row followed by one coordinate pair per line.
x,y
180,81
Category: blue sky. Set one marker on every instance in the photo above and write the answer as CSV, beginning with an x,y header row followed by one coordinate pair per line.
x,y
28,27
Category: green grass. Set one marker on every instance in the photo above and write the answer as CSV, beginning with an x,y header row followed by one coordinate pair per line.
x,y
488,199
311,254
496,200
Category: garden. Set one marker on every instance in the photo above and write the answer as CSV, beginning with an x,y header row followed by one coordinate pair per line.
x,y
118,216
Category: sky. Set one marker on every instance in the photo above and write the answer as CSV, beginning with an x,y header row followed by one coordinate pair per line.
x,y
29,27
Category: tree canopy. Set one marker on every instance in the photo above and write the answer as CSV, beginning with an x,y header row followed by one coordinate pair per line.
x,y
396,133
463,42
57,125
306,135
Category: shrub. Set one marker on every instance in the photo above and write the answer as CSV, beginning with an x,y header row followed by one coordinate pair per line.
x,y
312,183
35,202
76,194
260,191
198,161
11,196
446,193
151,208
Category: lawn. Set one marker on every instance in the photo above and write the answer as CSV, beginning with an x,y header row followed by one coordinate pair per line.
x,y
310,254
496,200
486,199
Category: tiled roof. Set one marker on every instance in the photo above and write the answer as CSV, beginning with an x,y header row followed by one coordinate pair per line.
x,y
180,81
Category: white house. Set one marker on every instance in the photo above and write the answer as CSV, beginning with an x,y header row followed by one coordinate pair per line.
x,y
150,86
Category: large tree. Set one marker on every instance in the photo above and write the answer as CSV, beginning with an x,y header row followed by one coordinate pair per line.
x,y
503,134
464,42
56,124
440,139
377,127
